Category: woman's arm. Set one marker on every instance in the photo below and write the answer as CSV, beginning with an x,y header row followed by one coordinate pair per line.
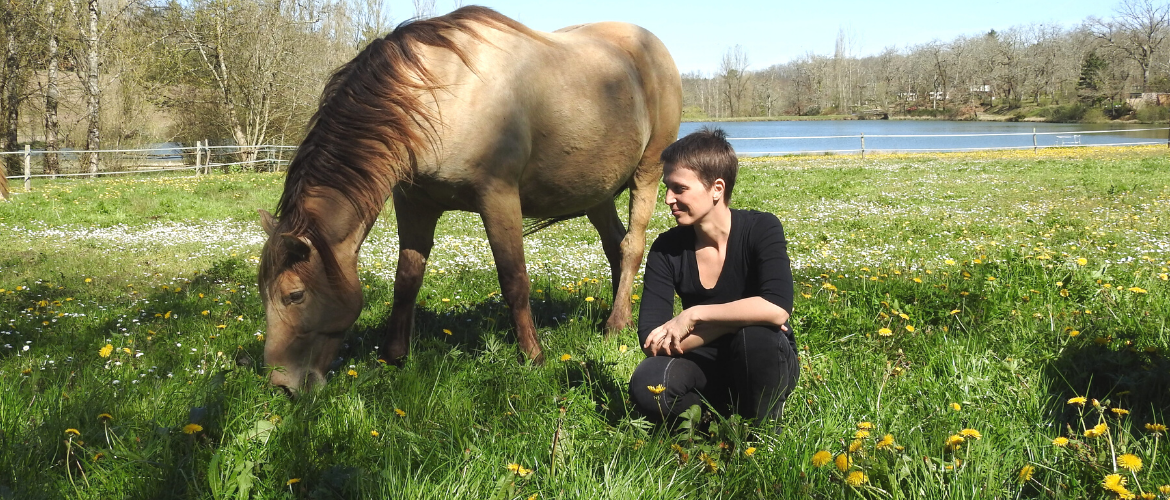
x,y
701,324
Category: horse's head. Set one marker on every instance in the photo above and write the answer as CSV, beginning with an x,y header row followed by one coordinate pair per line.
x,y
310,299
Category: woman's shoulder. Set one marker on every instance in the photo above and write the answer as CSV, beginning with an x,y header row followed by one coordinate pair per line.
x,y
756,218
674,240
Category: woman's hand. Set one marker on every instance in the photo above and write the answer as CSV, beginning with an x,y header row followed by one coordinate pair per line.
x,y
667,339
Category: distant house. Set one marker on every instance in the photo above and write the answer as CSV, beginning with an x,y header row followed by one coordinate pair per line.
x,y
1142,99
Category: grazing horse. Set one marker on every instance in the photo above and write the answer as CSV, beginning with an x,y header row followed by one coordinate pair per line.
x,y
469,111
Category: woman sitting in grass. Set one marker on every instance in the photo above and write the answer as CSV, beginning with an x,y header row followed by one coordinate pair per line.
x,y
731,344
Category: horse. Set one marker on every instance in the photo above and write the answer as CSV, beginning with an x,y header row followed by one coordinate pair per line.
x,y
469,111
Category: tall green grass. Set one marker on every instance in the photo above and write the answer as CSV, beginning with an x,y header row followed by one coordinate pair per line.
x,y
995,260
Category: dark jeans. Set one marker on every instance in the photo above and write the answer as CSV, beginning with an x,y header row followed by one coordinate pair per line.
x,y
749,372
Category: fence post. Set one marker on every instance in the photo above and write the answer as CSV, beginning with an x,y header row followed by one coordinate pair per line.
x,y
863,145
198,153
1034,148
27,167
1168,135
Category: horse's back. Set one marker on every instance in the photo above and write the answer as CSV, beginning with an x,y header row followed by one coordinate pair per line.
x,y
565,118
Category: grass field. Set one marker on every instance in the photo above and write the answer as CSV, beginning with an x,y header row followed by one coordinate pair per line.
x,y
950,311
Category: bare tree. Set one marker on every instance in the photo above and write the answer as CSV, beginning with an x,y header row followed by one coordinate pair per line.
x,y
52,92
734,76
424,8
1138,28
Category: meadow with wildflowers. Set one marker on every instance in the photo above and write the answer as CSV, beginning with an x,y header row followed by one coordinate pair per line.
x,y
970,325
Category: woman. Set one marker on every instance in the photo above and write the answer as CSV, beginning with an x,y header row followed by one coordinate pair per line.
x,y
731,344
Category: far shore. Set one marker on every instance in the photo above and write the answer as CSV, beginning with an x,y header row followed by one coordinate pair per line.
x,y
982,117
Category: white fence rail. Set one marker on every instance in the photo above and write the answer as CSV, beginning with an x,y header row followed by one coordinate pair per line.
x,y
201,158
198,159
1062,139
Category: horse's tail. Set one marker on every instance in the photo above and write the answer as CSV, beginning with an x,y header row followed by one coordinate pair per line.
x,y
532,226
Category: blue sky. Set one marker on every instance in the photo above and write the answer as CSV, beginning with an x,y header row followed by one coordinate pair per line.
x,y
698,33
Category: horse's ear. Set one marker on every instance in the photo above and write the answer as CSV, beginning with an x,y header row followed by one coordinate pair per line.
x,y
267,221
297,248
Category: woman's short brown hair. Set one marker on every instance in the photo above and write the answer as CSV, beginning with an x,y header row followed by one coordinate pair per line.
x,y
707,153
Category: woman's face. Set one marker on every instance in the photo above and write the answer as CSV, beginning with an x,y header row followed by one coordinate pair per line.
x,y
689,200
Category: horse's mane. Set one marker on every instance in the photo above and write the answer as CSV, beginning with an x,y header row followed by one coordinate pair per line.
x,y
372,122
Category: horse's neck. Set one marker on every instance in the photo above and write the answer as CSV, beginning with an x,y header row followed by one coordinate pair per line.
x,y
343,225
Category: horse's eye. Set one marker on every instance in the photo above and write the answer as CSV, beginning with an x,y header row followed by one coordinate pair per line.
x,y
296,296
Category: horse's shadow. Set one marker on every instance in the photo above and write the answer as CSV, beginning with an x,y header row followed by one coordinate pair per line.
x,y
1129,378
472,325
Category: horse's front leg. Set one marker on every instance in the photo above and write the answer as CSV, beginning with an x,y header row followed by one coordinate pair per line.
x,y
643,193
502,219
416,236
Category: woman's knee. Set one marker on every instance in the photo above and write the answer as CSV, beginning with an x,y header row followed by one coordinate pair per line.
x,y
663,386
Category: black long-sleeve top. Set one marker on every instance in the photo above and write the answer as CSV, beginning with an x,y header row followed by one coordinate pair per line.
x,y
755,265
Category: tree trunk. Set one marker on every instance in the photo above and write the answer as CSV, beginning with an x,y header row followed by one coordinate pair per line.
x,y
11,99
52,161
92,88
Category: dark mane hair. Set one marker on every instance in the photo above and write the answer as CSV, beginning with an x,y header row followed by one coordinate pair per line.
x,y
372,122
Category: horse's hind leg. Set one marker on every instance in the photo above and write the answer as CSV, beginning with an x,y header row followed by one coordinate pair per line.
x,y
502,219
609,226
416,236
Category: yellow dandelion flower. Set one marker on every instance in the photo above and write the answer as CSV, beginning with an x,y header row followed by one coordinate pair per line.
x,y
750,451
622,348
105,416
956,406
106,351
843,462
87,280
821,458
1116,484
954,441
1079,400
1156,427
1135,289
519,470
949,262
352,373
446,331
1130,462
1119,411
399,412
886,441
955,311
1164,489
1082,261
885,332
292,481
656,389
566,357
205,312
1026,473
861,434
634,297
588,299
865,425
73,432
192,428
970,434
910,328
1060,442
1149,496
374,433
855,445
856,478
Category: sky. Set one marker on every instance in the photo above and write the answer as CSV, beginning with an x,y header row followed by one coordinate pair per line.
x,y
698,33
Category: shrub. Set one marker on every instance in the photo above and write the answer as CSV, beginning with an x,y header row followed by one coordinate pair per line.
x,y
1151,114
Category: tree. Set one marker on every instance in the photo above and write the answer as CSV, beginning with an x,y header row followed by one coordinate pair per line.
x,y
734,76
1091,85
1138,28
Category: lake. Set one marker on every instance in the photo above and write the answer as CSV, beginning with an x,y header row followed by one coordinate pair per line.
x,y
789,137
